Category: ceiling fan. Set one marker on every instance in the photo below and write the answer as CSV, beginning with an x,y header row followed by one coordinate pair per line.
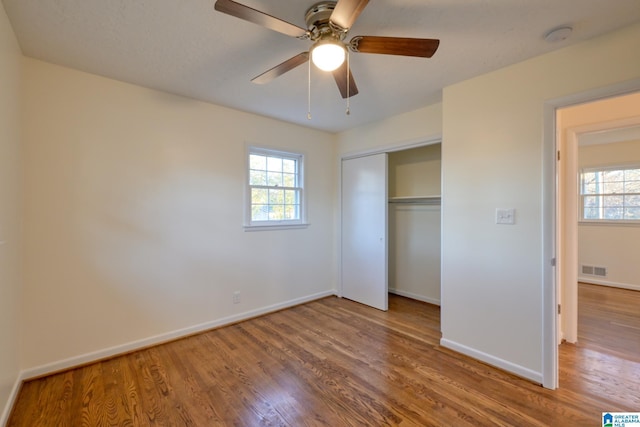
x,y
328,23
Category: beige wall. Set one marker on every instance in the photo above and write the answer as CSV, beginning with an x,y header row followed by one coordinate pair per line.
x,y
616,247
134,213
415,172
10,170
414,126
493,144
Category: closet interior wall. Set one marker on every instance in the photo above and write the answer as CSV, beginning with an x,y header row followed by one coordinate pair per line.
x,y
414,186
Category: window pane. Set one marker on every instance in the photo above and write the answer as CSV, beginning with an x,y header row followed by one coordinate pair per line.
x,y
291,212
632,213
613,176
259,196
276,213
592,213
291,197
613,213
632,201
257,177
632,175
632,187
274,164
289,180
591,201
276,197
588,176
274,179
589,183
614,187
257,162
613,201
589,188
289,165
259,212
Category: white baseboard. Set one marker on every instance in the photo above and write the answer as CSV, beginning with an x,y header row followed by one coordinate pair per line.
x,y
84,359
422,298
492,360
4,417
590,279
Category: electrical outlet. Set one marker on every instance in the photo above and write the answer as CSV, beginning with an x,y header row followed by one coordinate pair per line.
x,y
505,216
236,297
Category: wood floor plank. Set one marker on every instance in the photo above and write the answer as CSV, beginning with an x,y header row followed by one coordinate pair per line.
x,y
334,362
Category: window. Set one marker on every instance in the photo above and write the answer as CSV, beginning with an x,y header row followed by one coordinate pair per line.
x,y
275,191
610,194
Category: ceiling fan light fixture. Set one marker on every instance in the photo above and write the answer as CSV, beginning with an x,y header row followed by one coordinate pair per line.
x,y
328,55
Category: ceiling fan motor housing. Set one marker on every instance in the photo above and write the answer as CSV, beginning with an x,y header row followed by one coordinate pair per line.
x,y
319,24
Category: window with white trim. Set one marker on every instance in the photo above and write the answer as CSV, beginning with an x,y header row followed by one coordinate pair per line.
x,y
610,194
275,188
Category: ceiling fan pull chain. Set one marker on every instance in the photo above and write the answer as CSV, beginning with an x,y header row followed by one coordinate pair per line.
x,y
348,112
309,93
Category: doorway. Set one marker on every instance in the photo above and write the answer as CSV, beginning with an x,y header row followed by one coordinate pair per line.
x,y
598,132
552,224
415,186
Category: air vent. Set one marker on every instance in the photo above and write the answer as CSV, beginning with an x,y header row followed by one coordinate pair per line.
x,y
599,271
591,270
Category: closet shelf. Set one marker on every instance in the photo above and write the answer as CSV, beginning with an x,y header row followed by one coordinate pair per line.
x,y
426,200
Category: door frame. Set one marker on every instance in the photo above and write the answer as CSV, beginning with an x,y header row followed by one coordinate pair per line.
x,y
568,288
389,148
550,366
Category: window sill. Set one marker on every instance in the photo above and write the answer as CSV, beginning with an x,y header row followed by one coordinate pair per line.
x,y
276,227
610,223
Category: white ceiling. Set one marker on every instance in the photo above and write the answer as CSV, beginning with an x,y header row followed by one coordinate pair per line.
x,y
185,47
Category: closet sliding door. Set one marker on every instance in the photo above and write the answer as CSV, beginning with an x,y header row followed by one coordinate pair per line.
x,y
364,230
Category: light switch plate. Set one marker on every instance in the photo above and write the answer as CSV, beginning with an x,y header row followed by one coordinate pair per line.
x,y
505,216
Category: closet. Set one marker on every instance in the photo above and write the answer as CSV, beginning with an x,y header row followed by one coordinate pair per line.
x,y
390,225
414,186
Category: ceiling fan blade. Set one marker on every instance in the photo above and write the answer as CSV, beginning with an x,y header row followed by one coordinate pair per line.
x,y
424,48
252,15
346,12
340,75
280,69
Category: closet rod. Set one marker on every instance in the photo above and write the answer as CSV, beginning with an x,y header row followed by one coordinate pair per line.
x,y
416,201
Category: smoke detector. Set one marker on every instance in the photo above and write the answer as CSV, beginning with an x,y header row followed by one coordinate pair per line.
x,y
558,34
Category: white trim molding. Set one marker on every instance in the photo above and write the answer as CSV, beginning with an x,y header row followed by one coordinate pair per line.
x,y
429,300
115,351
592,281
4,417
494,361
391,148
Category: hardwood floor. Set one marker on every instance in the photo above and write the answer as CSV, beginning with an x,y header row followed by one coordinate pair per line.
x,y
606,360
334,362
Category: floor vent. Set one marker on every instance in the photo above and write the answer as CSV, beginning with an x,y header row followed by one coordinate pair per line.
x,y
594,271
